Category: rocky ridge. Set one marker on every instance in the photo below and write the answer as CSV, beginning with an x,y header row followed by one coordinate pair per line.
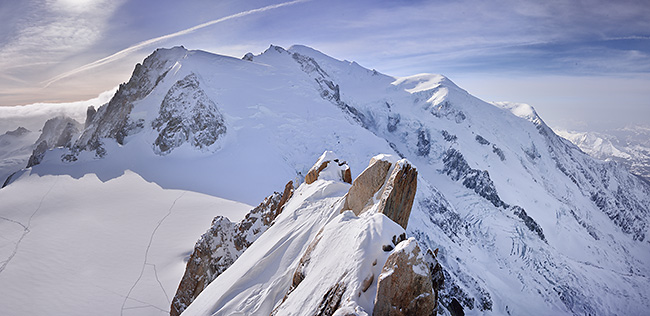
x,y
222,244
496,190
410,278
60,131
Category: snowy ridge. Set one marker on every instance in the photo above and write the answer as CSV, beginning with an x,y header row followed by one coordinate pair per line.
x,y
526,223
292,268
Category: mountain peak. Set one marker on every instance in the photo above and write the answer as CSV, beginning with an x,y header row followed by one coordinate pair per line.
x,y
498,195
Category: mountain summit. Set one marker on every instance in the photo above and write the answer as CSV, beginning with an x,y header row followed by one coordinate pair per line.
x,y
525,222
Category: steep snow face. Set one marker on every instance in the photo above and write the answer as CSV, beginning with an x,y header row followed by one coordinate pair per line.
x,y
526,223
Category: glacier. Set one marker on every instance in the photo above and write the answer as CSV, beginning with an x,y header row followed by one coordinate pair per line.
x,y
525,222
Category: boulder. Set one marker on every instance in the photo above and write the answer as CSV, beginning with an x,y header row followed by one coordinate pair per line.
x,y
405,285
366,185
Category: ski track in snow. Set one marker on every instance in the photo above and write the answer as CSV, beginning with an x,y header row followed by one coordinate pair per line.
x,y
25,227
145,264
146,304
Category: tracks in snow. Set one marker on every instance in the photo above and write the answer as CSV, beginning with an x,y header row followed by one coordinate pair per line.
x,y
146,263
25,227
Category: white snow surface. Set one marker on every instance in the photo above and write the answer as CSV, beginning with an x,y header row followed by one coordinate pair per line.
x,y
78,246
282,110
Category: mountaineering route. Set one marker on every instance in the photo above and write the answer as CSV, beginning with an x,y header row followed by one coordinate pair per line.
x,y
25,227
145,263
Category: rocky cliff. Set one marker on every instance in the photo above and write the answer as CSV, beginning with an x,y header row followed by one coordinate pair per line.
x,y
497,190
60,131
222,244
396,275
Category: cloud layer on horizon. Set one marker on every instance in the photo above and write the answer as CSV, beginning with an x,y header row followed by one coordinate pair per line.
x,y
509,38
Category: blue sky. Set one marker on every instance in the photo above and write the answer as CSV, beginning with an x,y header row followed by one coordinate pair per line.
x,y
581,64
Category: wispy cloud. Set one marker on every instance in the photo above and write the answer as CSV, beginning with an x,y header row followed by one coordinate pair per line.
x,y
50,31
152,41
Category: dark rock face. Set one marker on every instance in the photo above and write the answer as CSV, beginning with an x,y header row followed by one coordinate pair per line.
x,y
399,192
448,137
406,283
57,132
112,119
529,221
393,120
457,168
482,140
331,300
222,244
90,114
499,152
424,142
38,154
187,114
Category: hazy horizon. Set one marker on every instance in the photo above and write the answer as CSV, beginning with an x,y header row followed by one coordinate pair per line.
x,y
581,65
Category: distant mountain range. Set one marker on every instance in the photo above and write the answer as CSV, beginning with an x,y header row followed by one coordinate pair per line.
x,y
103,216
629,146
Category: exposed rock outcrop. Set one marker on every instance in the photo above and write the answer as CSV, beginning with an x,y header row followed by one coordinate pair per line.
x,y
222,244
112,119
406,283
60,131
395,190
399,192
37,155
187,114
366,185
90,114
328,167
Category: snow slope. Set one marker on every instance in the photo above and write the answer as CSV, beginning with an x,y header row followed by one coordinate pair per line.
x,y
74,246
526,223
311,232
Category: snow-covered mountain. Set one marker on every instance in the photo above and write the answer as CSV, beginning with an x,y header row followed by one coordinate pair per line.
x,y
525,222
628,146
21,127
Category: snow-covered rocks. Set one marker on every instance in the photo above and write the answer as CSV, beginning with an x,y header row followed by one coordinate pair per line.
x,y
405,285
222,244
112,120
329,167
187,114
60,131
525,222
318,280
